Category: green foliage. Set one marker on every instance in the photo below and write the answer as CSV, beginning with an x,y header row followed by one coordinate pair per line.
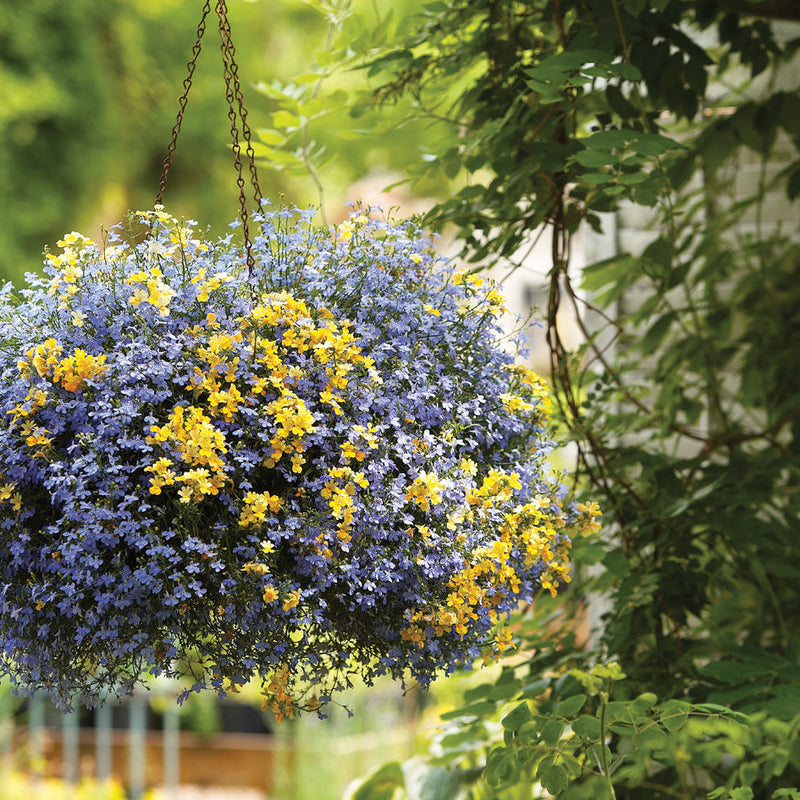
x,y
576,734
684,397
55,102
324,125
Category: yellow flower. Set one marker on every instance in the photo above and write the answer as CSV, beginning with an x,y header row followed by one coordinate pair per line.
x,y
73,371
185,494
270,594
425,491
292,600
256,506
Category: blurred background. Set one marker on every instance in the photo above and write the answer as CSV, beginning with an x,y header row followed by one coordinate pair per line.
x,y
89,94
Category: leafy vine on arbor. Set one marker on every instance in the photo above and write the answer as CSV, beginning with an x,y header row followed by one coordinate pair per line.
x,y
684,397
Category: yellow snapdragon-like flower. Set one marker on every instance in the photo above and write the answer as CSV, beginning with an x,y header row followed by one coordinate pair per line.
x,y
73,371
256,507
346,229
465,278
199,444
9,494
45,356
425,491
270,594
151,289
292,600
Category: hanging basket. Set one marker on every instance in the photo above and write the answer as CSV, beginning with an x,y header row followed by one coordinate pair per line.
x,y
301,459
327,467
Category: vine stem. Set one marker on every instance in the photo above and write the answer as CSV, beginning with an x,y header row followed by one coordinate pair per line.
x,y
603,752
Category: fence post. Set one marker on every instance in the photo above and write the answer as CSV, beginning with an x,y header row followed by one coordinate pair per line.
x,y
137,726
69,745
6,721
102,742
172,752
36,732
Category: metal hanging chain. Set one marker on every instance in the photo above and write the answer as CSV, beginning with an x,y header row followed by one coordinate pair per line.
x,y
225,31
236,113
233,94
187,84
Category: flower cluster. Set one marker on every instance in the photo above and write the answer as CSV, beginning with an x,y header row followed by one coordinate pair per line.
x,y
325,466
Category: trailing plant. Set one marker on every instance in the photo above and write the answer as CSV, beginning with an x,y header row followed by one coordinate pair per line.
x,y
322,465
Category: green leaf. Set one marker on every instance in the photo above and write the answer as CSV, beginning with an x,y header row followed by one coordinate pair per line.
x,y
635,7
595,158
748,773
676,508
536,688
551,732
786,706
553,778
617,711
716,145
517,717
656,333
643,702
506,687
475,693
724,671
452,741
653,144
271,137
607,140
285,119
674,714
651,738
502,768
793,185
723,711
634,178
529,732
437,783
616,563
307,77
392,60
573,767
587,727
570,706
611,671
786,794
381,784
598,178
619,103
588,554
478,710
660,252
619,269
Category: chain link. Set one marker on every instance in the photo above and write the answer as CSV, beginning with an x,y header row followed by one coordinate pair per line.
x,y
233,94
236,113
187,84
242,111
